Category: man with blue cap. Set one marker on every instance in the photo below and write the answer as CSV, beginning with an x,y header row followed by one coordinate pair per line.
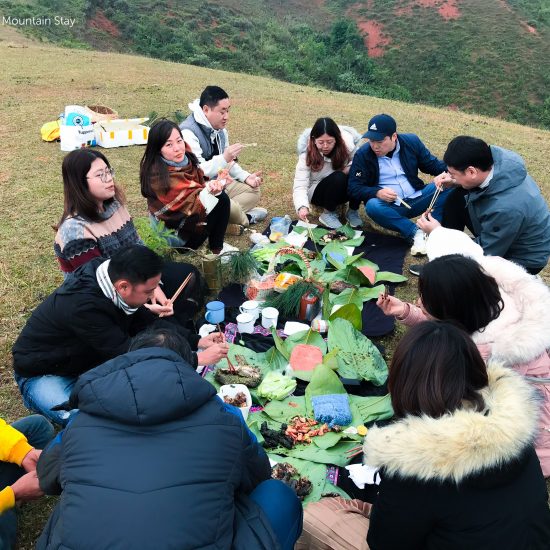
x,y
384,174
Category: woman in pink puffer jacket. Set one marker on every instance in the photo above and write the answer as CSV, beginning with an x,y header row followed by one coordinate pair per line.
x,y
503,308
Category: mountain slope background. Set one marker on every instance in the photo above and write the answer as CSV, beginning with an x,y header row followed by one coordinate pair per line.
x,y
486,56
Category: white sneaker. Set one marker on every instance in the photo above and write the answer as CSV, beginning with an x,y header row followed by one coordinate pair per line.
x,y
257,214
330,220
418,247
354,218
227,248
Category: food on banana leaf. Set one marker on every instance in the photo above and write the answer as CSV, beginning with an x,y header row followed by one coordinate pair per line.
x,y
305,357
242,374
340,286
334,235
276,386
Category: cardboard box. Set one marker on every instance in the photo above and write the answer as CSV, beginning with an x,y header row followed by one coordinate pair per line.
x,y
121,132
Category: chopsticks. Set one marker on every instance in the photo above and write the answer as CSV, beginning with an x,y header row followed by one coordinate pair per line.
x,y
434,198
229,363
178,291
354,451
401,201
249,145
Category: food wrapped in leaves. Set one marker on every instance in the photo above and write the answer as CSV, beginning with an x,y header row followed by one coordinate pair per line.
x,y
246,374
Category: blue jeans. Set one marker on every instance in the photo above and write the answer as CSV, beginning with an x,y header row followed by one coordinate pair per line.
x,y
397,218
41,393
283,509
38,432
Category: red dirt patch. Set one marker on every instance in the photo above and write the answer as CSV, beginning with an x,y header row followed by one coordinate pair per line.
x,y
374,37
100,22
448,9
529,28
218,43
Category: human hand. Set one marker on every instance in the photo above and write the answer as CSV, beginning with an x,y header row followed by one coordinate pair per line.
x,y
31,459
390,305
303,213
162,310
159,297
232,152
27,488
213,354
211,339
215,187
386,195
444,180
255,179
427,223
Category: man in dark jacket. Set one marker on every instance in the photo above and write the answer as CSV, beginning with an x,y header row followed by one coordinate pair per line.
x,y
90,319
497,200
384,174
160,462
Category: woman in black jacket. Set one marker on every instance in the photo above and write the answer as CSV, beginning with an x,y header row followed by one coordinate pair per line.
x,y
458,469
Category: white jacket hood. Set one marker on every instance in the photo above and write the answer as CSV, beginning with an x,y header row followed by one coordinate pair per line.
x,y
463,443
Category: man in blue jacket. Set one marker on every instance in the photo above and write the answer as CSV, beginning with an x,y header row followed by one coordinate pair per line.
x,y
497,200
154,459
384,174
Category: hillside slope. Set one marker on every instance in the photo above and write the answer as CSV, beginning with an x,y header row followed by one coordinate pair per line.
x,y
490,56
39,80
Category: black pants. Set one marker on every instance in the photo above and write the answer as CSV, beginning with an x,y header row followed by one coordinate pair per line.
x,y
455,213
333,191
216,224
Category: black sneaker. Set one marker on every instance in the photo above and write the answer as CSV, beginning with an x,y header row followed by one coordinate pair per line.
x,y
415,269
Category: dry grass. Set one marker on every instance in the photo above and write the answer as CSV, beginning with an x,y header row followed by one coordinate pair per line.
x,y
39,80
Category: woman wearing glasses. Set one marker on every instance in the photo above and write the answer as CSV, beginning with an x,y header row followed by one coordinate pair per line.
x,y
321,178
95,222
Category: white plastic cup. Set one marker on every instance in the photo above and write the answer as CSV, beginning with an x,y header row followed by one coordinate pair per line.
x,y
269,317
252,307
245,323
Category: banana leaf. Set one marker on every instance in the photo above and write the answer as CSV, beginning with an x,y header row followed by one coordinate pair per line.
x,y
358,357
372,408
390,277
351,313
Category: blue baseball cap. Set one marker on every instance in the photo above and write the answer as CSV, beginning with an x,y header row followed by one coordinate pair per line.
x,y
380,126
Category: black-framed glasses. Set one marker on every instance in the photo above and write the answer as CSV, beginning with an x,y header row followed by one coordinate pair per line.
x,y
105,176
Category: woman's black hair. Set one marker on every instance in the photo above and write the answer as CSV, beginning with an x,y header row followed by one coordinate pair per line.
x,y
456,288
339,155
435,368
77,199
152,168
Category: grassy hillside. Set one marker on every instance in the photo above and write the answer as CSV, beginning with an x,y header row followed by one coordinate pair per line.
x,y
39,80
491,57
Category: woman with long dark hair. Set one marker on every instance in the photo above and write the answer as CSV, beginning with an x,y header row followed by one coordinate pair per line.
x,y
457,467
177,193
321,178
96,223
503,308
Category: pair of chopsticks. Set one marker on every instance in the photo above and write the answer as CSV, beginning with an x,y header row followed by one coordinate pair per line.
x,y
434,198
178,291
229,363
249,145
401,201
354,451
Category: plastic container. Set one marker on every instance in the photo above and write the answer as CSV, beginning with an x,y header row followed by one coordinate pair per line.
x,y
231,390
279,227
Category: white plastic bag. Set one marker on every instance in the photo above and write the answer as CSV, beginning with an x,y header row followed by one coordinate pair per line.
x,y
76,130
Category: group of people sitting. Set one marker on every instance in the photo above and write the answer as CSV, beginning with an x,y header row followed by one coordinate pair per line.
x,y
150,457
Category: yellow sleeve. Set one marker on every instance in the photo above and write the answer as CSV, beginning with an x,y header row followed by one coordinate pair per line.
x,y
13,444
7,499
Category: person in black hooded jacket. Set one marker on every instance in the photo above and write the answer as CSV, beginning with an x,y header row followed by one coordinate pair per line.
x,y
90,319
161,462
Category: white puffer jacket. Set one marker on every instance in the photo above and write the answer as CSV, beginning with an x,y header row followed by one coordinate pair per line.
x,y
305,180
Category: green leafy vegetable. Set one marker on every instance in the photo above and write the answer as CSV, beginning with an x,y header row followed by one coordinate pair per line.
x,y
276,386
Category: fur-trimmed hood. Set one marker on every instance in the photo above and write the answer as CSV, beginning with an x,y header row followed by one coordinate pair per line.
x,y
463,443
521,333
350,135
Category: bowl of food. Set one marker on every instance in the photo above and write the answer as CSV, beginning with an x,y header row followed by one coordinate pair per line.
x,y
237,395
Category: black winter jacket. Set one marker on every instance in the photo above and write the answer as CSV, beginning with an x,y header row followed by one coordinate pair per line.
x,y
76,328
153,460
364,173
467,480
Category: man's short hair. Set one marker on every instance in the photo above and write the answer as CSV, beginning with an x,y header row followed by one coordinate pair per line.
x,y
464,151
211,96
135,263
163,337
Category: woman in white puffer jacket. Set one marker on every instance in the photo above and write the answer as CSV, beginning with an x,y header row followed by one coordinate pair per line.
x,y
321,178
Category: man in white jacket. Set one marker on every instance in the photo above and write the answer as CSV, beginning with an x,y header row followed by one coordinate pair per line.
x,y
204,130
